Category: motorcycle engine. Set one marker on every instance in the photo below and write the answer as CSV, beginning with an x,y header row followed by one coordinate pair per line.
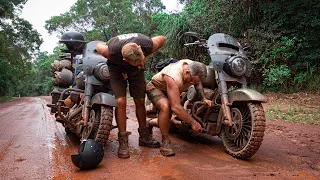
x,y
80,81
193,95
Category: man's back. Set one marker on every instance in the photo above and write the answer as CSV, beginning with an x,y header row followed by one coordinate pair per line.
x,y
116,44
175,71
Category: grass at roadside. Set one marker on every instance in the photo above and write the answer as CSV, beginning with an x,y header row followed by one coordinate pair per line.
x,y
296,114
6,98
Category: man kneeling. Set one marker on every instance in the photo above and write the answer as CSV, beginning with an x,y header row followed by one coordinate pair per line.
x,y
164,91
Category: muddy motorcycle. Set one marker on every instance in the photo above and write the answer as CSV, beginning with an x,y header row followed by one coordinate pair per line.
x,y
236,114
86,109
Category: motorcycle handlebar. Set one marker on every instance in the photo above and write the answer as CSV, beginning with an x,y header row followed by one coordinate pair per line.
x,y
190,44
199,43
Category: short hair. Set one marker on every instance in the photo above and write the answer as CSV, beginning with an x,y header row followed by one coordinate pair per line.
x,y
198,69
132,52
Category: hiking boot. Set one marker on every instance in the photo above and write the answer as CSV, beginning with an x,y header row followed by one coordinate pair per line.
x,y
146,139
123,150
166,149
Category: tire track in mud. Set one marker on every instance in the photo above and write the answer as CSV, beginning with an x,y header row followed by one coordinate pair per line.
x,y
62,146
35,146
26,156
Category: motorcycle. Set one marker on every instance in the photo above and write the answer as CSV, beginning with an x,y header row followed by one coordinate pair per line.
x,y
236,114
86,109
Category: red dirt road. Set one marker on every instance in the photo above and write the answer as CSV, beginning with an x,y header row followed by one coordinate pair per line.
x,y
34,146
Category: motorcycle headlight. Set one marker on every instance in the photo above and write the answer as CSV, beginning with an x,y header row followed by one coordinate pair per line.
x,y
101,72
236,66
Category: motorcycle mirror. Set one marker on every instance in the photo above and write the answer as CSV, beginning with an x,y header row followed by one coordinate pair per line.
x,y
192,34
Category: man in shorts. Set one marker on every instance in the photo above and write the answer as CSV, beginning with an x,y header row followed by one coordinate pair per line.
x,y
164,91
126,56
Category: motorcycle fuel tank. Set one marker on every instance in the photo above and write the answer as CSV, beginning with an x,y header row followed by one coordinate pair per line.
x,y
210,80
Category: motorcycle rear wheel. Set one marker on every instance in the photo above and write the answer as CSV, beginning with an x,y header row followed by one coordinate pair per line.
x,y
244,139
102,124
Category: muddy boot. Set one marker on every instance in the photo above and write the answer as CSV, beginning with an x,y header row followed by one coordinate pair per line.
x,y
146,139
166,149
123,150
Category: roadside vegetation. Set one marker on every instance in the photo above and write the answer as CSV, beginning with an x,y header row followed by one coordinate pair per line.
x,y
300,107
6,98
296,114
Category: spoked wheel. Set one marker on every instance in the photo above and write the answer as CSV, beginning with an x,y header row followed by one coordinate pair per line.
x,y
244,138
88,129
100,124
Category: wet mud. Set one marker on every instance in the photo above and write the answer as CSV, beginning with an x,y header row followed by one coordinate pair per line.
x,y
34,146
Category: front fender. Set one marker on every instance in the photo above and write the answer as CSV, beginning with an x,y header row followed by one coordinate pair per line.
x,y
104,99
245,94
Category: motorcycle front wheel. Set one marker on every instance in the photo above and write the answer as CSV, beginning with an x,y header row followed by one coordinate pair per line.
x,y
101,126
244,138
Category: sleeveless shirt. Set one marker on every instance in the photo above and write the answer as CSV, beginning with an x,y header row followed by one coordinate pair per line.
x,y
175,71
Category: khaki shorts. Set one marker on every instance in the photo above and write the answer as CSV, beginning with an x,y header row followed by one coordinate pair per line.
x,y
154,94
120,76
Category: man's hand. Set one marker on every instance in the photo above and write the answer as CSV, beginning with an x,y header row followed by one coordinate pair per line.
x,y
196,127
208,102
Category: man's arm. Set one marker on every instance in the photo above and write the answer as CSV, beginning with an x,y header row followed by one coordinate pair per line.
x,y
102,49
174,100
158,42
199,88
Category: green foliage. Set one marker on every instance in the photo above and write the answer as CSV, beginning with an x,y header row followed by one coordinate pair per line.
x,y
38,81
277,76
18,43
276,62
6,98
283,37
103,19
204,17
288,35
7,8
313,83
148,75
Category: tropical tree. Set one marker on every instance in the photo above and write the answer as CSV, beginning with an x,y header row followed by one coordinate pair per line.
x,y
103,19
18,43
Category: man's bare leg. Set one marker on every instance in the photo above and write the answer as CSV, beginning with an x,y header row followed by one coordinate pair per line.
x,y
121,118
140,111
164,115
164,124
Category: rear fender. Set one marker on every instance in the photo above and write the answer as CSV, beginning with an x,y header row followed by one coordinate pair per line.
x,y
104,99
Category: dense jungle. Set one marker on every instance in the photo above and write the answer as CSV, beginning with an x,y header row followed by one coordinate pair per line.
x,y
282,38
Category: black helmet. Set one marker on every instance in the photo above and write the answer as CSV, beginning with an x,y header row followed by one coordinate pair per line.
x,y
73,40
72,36
90,154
